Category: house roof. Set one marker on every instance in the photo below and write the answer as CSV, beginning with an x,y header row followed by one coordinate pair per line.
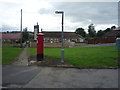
x,y
58,35
11,35
113,33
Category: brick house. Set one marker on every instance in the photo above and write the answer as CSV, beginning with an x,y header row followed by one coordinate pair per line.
x,y
55,37
112,34
109,37
11,37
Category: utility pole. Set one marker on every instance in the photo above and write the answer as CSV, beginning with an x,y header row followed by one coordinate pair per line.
x,y
21,30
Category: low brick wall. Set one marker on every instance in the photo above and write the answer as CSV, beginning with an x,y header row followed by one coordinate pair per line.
x,y
33,44
55,45
80,44
58,45
49,45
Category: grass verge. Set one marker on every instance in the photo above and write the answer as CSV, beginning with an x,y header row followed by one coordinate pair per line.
x,y
9,54
84,56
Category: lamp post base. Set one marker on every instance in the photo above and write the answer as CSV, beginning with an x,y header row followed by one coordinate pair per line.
x,y
62,55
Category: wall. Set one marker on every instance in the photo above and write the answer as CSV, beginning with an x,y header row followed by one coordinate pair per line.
x,y
49,45
102,40
58,45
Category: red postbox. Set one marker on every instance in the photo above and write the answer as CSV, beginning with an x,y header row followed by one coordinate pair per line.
x,y
40,46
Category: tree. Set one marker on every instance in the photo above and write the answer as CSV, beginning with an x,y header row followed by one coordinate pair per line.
x,y
100,33
113,27
81,32
91,30
25,35
107,30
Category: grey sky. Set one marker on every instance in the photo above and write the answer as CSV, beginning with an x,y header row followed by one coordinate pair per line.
x,y
77,14
105,13
98,13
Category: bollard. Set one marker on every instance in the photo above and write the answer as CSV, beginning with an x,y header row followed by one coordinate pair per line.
x,y
40,47
118,48
118,44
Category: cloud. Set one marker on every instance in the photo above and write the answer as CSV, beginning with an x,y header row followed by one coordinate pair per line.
x,y
46,11
97,12
9,28
77,14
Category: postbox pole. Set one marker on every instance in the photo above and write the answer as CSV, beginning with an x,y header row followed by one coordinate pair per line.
x,y
40,47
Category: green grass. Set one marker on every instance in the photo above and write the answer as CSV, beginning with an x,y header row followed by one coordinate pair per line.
x,y
9,53
84,56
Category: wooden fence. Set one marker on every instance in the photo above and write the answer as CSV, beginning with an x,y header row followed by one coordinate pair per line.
x,y
102,40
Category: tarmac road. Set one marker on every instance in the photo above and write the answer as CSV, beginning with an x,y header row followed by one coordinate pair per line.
x,y
97,45
51,77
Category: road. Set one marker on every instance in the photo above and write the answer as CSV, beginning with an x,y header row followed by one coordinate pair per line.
x,y
51,77
96,45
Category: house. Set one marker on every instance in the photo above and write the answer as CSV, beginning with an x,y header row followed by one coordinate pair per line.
x,y
11,37
109,37
112,34
55,37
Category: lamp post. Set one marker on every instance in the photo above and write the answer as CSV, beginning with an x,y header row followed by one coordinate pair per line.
x,y
21,30
62,48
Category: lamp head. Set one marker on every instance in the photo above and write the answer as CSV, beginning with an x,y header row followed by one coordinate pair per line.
x,y
57,12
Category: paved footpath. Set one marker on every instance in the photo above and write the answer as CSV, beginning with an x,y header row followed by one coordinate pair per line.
x,y
23,58
50,77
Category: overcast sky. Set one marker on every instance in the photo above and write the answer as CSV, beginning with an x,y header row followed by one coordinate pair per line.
x,y
77,14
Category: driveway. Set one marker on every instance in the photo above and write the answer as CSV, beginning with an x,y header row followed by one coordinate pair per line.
x,y
51,77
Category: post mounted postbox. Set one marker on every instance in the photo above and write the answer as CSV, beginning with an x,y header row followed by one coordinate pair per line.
x,y
40,46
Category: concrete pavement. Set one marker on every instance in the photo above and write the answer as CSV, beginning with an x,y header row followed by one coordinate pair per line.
x,y
51,77
22,59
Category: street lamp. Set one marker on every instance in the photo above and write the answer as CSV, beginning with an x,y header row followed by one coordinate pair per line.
x,y
62,48
21,30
